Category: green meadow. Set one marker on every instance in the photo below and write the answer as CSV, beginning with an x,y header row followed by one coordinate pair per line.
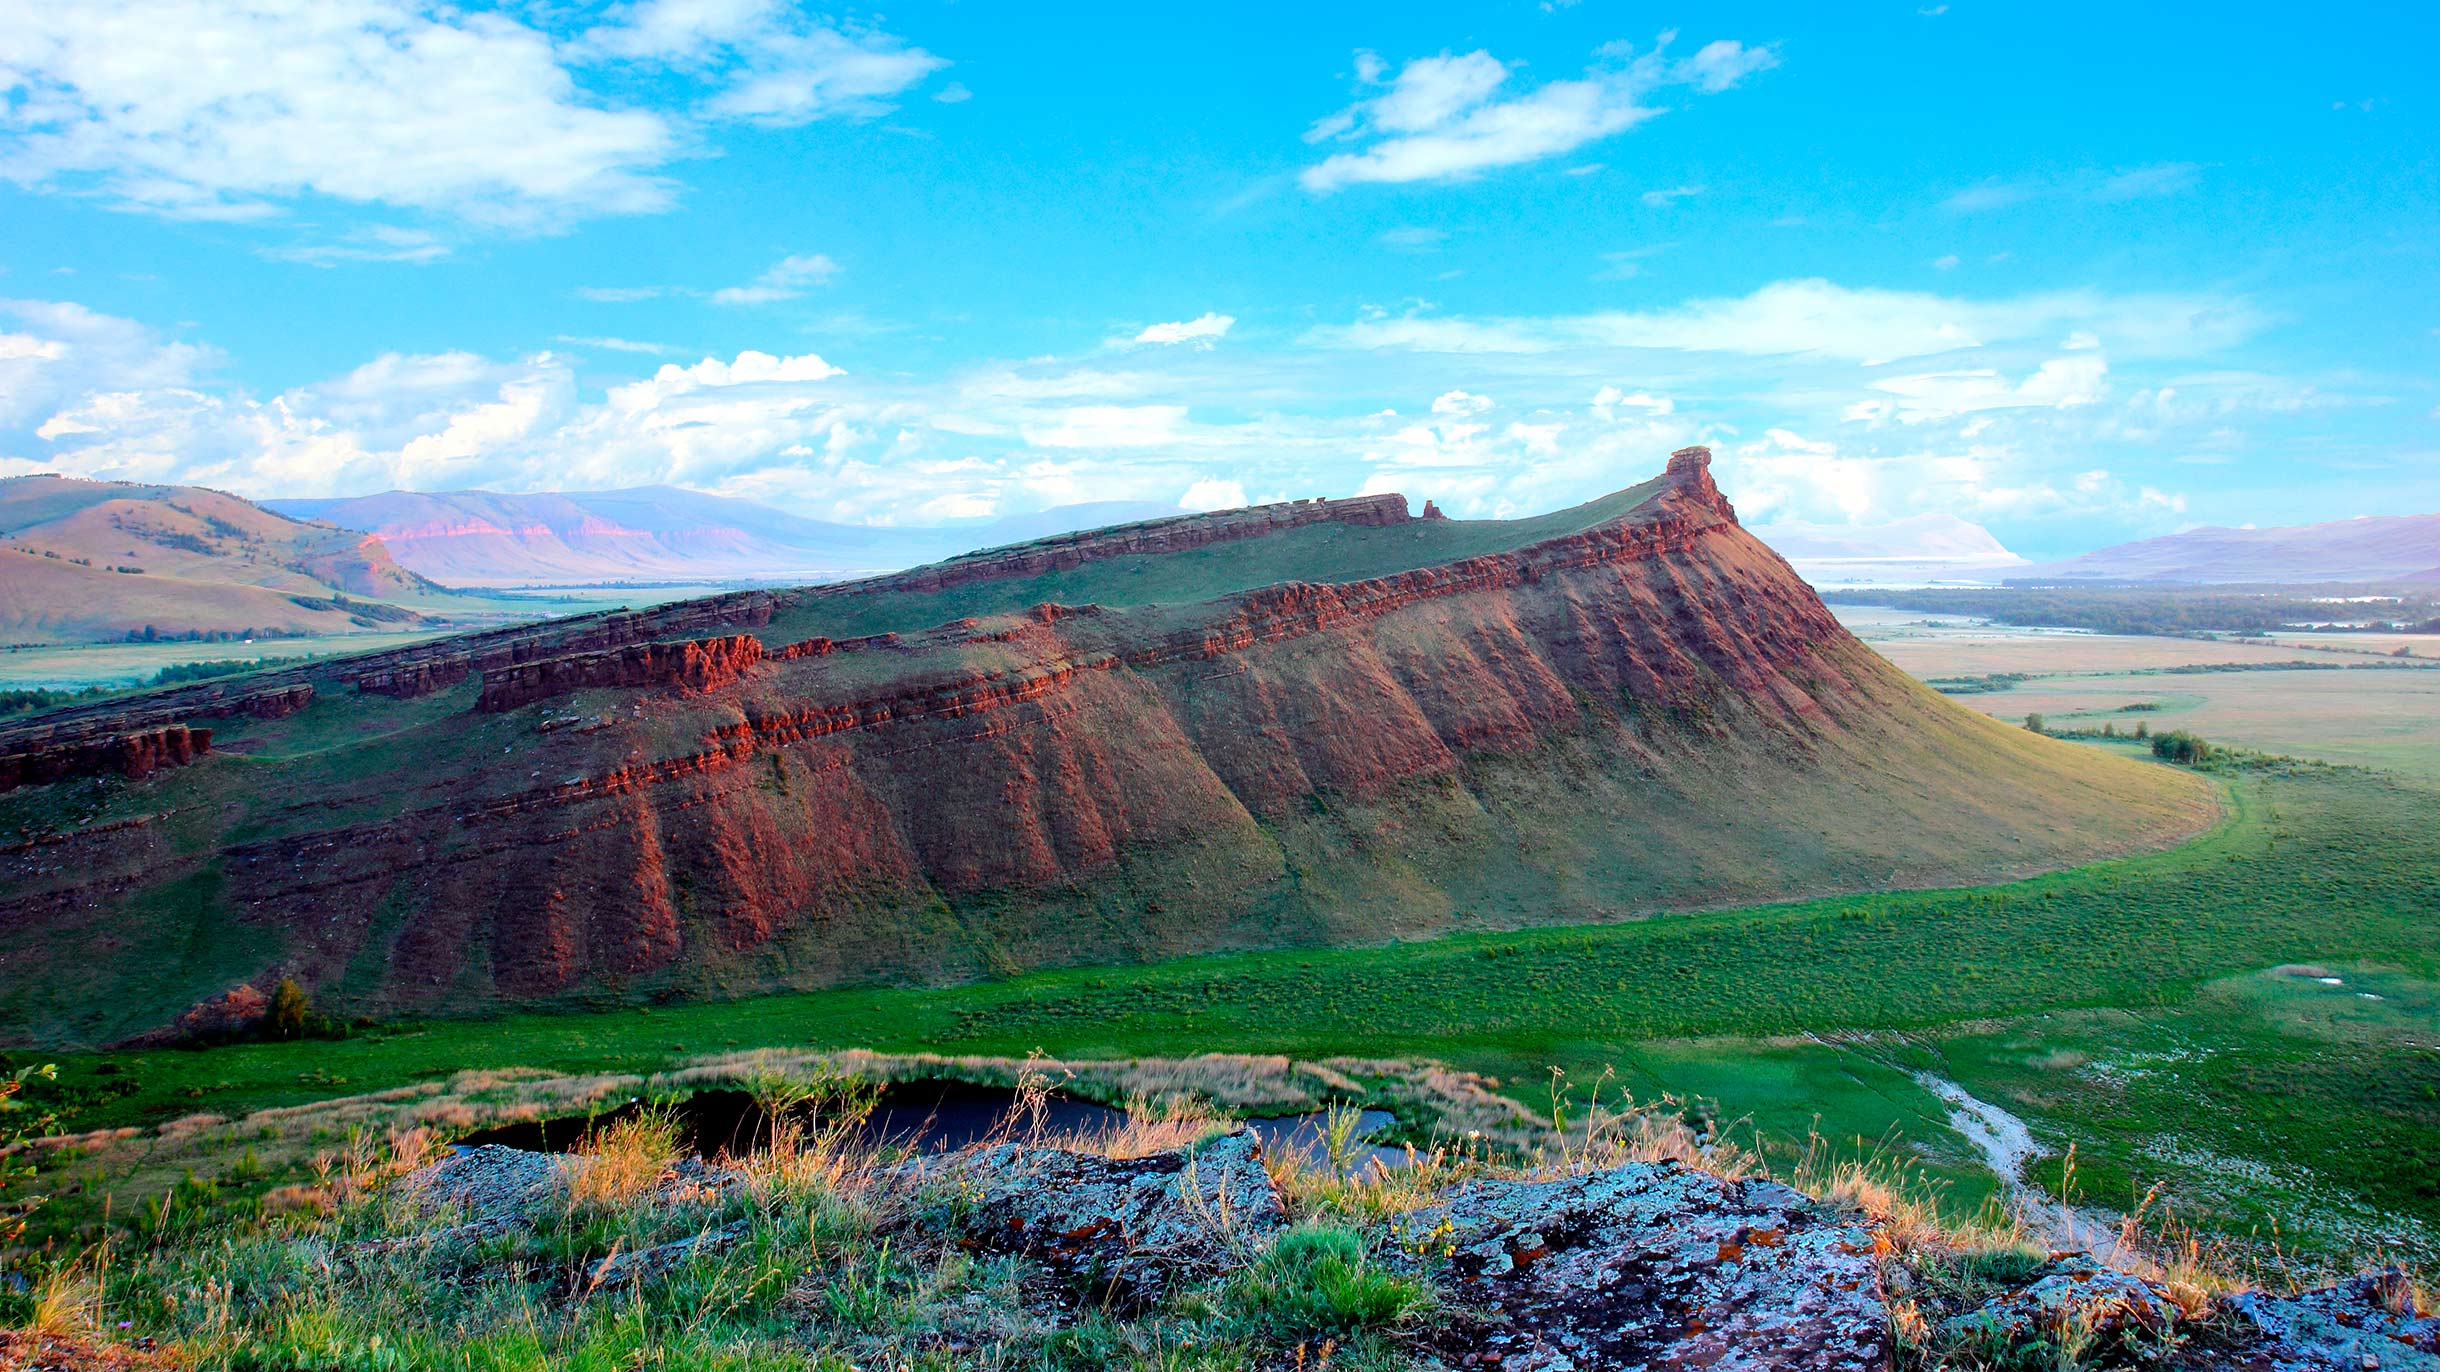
x,y
2248,1019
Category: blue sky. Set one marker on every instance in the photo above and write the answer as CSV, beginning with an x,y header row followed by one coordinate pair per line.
x,y
2076,273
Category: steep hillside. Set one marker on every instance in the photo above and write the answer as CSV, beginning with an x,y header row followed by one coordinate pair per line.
x,y
2382,548
1294,724
664,533
89,561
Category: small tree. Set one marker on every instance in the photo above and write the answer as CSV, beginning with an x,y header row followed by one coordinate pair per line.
x,y
2182,748
291,1010
2033,723
2142,731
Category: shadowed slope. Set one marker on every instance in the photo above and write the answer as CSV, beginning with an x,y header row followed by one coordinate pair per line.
x,y
1290,725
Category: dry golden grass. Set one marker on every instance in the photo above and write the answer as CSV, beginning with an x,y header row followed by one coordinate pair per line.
x,y
624,1161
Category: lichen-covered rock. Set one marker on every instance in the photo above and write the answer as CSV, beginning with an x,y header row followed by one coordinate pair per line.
x,y
1118,1230
2368,1322
490,1183
2074,1302
1653,1266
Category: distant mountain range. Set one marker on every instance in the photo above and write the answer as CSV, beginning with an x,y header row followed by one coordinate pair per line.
x,y
94,561
1924,547
661,533
2373,549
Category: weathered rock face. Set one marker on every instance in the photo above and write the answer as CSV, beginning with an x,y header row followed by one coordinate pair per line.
x,y
1656,1266
1362,741
278,702
235,1011
417,677
134,755
705,664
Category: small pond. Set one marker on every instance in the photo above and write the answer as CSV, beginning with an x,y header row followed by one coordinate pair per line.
x,y
933,1116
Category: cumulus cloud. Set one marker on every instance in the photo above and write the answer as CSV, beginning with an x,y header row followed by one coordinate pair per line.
x,y
1201,331
52,352
1212,493
1456,115
236,110
2015,427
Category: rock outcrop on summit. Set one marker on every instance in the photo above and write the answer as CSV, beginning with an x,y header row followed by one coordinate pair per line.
x,y
1296,724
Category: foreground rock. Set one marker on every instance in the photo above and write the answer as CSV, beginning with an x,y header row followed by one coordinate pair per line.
x,y
2076,1302
1118,1231
1654,1266
2364,1323
1644,1267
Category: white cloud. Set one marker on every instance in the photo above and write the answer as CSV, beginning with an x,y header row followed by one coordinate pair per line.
x,y
1666,196
1214,494
1202,330
1440,117
1821,319
237,109
785,279
1723,63
225,110
2016,427
372,243
2077,379
1609,401
769,61
55,352
1109,426
1414,238
2164,178
617,345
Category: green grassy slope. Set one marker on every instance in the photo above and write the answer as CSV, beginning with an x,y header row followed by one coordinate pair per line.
x,y
1313,552
1761,1007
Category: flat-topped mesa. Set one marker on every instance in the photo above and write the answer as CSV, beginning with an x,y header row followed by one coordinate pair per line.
x,y
1326,720
1175,534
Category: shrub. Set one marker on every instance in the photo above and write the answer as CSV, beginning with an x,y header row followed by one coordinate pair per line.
x,y
2033,723
291,1011
2182,748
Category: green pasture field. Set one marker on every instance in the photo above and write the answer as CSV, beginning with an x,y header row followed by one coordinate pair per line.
x,y
74,666
2135,1008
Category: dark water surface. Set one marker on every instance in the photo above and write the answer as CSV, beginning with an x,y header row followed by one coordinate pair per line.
x,y
933,1116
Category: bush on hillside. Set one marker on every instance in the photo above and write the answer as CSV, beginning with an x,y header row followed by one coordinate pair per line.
x,y
2182,748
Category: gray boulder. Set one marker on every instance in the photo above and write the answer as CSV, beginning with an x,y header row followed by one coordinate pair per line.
x,y
1653,1266
2364,1323
2105,1316
1120,1232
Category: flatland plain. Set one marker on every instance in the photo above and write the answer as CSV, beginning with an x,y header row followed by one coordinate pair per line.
x,y
2354,700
